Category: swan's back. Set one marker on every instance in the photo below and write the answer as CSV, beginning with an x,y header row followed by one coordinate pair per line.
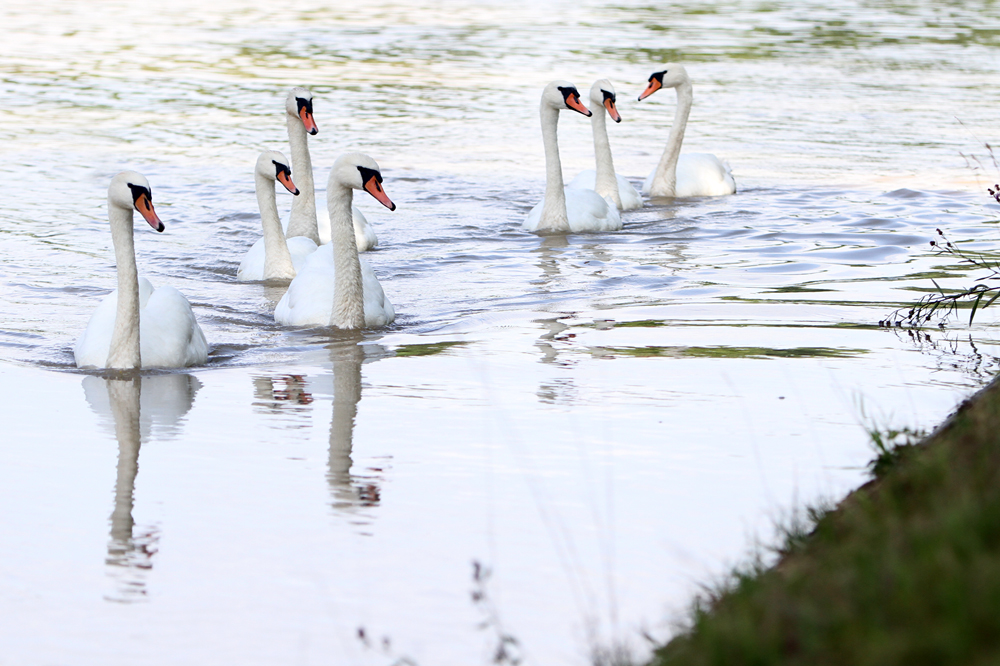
x,y
699,175
252,266
587,180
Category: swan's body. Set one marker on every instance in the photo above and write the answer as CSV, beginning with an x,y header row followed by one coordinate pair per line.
x,y
566,209
137,326
272,257
604,180
303,220
693,174
309,299
336,287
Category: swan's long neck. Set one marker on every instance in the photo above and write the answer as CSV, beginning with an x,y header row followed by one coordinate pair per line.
x,y
665,181
124,353
553,216
302,221
348,297
277,259
606,184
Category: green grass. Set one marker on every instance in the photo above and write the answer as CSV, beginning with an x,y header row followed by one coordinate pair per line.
x,y
906,570
730,352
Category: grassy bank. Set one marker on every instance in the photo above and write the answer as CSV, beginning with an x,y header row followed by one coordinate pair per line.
x,y
906,570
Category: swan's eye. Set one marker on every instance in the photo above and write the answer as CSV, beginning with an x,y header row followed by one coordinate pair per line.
x,y
368,174
608,96
306,104
658,76
280,168
568,93
138,191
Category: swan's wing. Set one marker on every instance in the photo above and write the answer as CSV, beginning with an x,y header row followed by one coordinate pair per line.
x,y
309,299
703,175
252,266
588,211
94,345
323,225
364,235
300,248
630,198
585,180
378,309
169,334
534,217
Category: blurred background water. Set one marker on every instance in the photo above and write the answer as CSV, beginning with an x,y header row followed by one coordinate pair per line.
x,y
604,421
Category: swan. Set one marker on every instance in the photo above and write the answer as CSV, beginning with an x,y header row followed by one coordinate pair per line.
x,y
566,209
303,220
691,174
272,257
137,326
336,287
605,181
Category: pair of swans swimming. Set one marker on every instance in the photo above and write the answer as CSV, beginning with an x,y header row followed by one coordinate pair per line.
x,y
141,327
592,201
306,230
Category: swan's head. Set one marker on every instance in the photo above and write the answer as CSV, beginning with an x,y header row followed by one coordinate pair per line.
x,y
671,76
602,93
561,95
130,190
299,104
274,166
361,172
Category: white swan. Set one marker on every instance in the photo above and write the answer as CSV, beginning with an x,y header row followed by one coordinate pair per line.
x,y
336,287
137,326
604,180
566,209
272,257
691,174
303,220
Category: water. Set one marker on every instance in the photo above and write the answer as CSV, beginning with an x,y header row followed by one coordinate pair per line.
x,y
603,421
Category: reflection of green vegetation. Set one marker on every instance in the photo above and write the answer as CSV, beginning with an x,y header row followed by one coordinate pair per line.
x,y
643,323
427,349
732,352
794,289
906,570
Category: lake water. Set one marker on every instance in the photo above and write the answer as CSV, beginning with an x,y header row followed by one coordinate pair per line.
x,y
604,422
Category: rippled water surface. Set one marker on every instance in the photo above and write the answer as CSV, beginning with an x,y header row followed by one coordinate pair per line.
x,y
601,421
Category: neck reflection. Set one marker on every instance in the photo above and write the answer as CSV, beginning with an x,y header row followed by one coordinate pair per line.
x,y
137,408
348,491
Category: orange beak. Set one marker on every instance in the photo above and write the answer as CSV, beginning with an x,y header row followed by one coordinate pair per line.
x,y
573,102
612,111
145,208
653,86
308,121
374,188
286,180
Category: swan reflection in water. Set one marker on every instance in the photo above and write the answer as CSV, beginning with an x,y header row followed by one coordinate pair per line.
x,y
136,410
294,395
